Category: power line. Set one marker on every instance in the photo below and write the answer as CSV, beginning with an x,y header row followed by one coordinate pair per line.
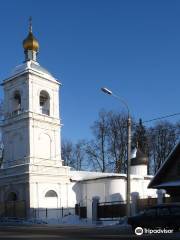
x,y
166,116
170,135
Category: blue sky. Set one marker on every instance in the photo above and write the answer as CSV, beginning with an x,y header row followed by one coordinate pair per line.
x,y
132,47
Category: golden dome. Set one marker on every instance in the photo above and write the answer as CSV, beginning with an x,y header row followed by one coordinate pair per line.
x,y
30,43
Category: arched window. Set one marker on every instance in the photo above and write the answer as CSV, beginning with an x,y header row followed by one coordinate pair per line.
x,y
16,102
51,193
44,102
12,196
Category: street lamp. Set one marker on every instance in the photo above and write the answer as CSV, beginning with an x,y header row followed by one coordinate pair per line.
x,y
128,186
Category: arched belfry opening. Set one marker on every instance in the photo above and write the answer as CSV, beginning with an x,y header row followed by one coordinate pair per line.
x,y
12,197
16,102
44,102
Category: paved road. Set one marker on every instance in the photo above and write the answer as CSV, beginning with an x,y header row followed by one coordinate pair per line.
x,y
73,233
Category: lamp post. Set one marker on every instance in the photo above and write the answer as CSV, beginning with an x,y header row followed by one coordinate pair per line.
x,y
128,186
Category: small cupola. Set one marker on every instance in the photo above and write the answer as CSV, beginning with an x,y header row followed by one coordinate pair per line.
x,y
139,162
30,44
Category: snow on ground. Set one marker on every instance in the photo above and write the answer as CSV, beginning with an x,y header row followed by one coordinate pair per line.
x,y
75,220
67,220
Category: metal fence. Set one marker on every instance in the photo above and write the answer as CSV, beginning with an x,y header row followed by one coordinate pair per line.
x,y
81,211
105,210
17,209
111,210
52,213
171,199
116,210
145,203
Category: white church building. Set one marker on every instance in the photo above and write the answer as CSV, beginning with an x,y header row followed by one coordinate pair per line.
x,y
32,174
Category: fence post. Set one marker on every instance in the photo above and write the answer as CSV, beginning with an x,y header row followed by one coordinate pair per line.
x,y
62,212
35,215
14,209
95,204
79,210
160,196
5,209
46,213
134,197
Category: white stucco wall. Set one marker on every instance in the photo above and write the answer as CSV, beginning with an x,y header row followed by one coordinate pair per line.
x,y
140,170
108,189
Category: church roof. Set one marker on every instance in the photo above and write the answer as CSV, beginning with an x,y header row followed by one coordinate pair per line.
x,y
31,66
87,175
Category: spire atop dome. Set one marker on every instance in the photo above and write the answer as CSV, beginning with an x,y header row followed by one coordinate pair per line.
x,y
30,24
30,44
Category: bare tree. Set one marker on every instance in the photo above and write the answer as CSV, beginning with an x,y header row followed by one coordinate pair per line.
x,y
79,155
140,137
117,139
74,155
177,126
108,149
163,138
97,148
67,153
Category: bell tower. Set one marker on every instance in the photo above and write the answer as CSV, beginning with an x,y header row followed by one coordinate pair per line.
x,y
32,167
31,129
